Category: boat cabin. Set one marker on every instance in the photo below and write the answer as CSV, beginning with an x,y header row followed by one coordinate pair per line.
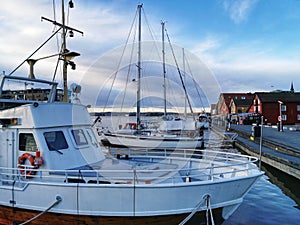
x,y
37,130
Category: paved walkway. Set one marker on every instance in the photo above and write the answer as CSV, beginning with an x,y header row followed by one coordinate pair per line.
x,y
287,137
287,161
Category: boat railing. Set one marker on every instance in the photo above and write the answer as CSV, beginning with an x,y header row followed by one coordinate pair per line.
x,y
180,171
19,95
212,154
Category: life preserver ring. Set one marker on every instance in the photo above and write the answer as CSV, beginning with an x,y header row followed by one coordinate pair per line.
x,y
35,162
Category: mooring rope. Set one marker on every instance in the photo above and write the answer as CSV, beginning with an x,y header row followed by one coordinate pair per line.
x,y
210,212
205,198
58,200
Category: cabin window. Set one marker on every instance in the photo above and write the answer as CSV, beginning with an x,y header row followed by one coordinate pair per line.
x,y
92,137
27,143
55,140
284,117
283,108
298,108
298,117
79,137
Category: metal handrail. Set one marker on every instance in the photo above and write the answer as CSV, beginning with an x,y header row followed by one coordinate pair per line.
x,y
223,167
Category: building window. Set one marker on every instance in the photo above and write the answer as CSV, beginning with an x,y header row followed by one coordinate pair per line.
x,y
298,108
298,117
243,97
283,108
284,117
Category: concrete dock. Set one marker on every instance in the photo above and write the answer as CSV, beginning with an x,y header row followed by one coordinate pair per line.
x,y
279,149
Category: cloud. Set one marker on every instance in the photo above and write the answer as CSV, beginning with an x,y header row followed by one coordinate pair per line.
x,y
248,66
239,10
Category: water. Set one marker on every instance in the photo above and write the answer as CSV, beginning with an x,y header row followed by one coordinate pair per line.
x,y
267,204
273,200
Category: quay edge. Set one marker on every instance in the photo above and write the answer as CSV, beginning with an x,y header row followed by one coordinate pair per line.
x,y
282,162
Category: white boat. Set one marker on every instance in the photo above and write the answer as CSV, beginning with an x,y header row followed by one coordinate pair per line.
x,y
53,171
169,134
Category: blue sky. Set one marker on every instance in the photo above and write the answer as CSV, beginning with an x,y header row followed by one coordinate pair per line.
x,y
248,45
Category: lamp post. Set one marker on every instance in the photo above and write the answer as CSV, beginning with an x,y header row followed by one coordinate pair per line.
x,y
280,116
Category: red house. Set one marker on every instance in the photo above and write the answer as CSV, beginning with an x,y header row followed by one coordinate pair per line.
x,y
223,105
268,104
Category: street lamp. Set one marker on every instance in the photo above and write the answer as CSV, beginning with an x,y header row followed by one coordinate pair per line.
x,y
280,116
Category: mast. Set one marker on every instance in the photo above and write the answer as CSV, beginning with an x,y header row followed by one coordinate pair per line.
x,y
183,57
164,66
63,51
138,103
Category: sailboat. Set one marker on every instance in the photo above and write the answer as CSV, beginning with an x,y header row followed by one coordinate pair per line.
x,y
53,171
135,135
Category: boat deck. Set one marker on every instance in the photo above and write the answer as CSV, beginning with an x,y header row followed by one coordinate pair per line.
x,y
142,167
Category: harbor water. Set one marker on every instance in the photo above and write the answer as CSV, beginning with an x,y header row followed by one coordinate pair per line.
x,y
273,200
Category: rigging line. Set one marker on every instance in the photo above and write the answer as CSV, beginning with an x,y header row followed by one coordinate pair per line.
x,y
180,75
119,63
54,28
54,11
171,92
68,14
195,84
55,71
57,40
56,67
35,51
129,71
151,33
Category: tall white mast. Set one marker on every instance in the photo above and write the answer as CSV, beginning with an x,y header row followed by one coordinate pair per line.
x,y
138,103
164,66
183,58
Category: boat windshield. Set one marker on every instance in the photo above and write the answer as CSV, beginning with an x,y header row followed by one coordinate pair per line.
x,y
79,137
92,137
55,140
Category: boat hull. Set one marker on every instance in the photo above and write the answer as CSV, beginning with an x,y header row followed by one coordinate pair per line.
x,y
121,204
133,141
9,215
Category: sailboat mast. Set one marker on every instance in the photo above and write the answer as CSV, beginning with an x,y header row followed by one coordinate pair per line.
x,y
164,66
183,58
138,103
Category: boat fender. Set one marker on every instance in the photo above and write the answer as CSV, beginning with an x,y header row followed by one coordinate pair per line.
x,y
35,162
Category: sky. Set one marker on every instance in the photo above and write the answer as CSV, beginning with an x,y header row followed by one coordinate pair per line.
x,y
244,45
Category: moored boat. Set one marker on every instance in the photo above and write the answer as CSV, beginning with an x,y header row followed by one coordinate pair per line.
x,y
52,167
172,131
53,171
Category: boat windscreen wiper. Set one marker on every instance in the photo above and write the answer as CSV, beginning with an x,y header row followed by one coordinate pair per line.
x,y
53,148
58,151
